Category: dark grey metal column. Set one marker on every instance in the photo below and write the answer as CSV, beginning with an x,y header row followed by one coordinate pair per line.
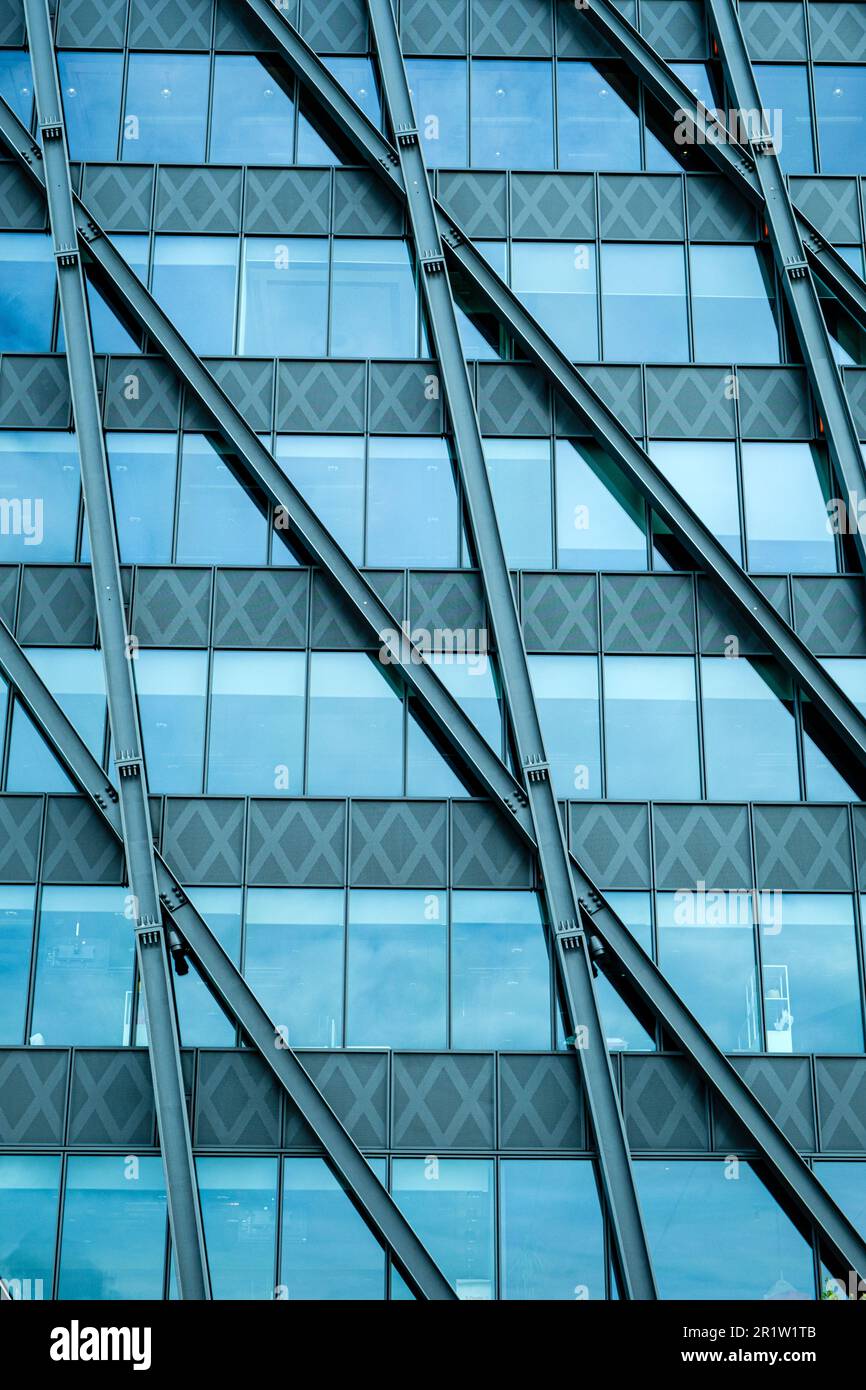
x,y
162,1036
566,925
221,975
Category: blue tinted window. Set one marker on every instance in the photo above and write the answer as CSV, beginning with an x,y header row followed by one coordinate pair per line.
x,y
449,1202
705,474
412,510
566,692
470,678
786,490
143,468
500,989
294,961
16,82
218,520
326,1250
707,952
785,98
239,1211
840,102
90,86
659,153
480,333
349,691
16,939
356,76
29,1186
598,126
520,477
716,1233
512,114
83,968
166,108
171,702
644,303
846,1183
195,281
732,305
40,484
109,334
201,1021
284,296
651,732
623,1031
600,517
556,281
552,1231
374,307
810,977
750,738
824,781
397,969
75,678
439,98
27,279
114,1218
252,121
328,471
263,694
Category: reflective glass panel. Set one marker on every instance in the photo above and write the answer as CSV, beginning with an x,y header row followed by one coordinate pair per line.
x,y
29,1187
824,780
171,702
705,473
16,82
786,491
450,1203
397,968
566,693
201,1021
840,103
294,961
597,121
90,86
39,485
846,1183
114,1219
218,520
252,121
355,728
552,1232
326,1250
328,471
512,114
109,334
785,98
810,975
27,278
75,678
166,108
239,1211
143,470
439,98
84,961
471,679
707,952
413,516
195,282
256,743
644,303
284,297
16,940
556,281
651,732
599,516
520,477
374,306
750,736
500,972
733,305
623,1031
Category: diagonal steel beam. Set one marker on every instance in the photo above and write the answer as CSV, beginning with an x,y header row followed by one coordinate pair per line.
x,y
570,384
570,945
371,1199
732,159
184,1210
623,954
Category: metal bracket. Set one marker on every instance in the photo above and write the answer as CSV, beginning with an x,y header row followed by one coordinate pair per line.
x,y
51,129
591,902
433,262
537,769
67,256
570,934
406,135
110,796
796,269
128,765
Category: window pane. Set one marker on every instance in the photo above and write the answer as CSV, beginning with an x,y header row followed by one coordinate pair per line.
x,y
16,940
840,102
480,333
171,702
500,972
219,523
84,961
263,694
566,692
733,305
166,108
328,471
294,961
512,114
412,512
623,1031
471,679
16,82
519,472
439,97
239,1211
397,966
327,1252
811,982
90,87
29,1187
716,1233
348,692
599,516
552,1230
846,1183
114,1220
284,296
785,98
27,278
39,472
109,333
374,307
449,1202
651,727
556,281
705,474
786,491
598,125
644,303
750,737
74,675
253,117
143,470
707,952
195,280
824,780
201,1021
356,76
